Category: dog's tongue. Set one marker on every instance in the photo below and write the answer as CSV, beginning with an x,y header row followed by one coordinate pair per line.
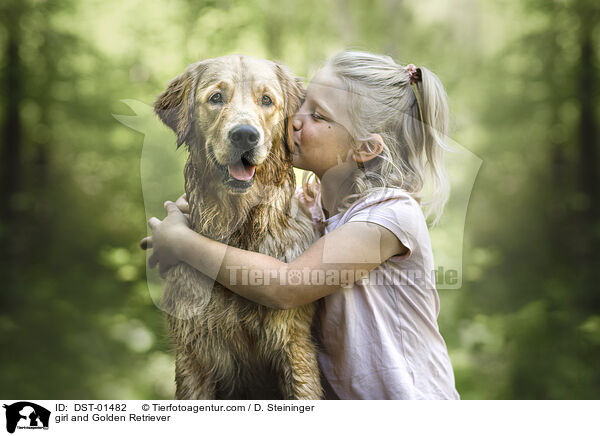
x,y
239,171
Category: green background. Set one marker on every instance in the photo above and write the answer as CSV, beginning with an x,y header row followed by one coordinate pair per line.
x,y
76,317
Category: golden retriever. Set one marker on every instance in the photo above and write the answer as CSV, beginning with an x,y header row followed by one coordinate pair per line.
x,y
232,113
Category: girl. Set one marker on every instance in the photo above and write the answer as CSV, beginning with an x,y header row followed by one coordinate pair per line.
x,y
370,131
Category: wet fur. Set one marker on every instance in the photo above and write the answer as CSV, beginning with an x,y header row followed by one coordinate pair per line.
x,y
228,347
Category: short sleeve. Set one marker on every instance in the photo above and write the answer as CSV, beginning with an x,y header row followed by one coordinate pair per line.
x,y
399,213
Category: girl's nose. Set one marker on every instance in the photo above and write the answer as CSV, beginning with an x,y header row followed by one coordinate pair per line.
x,y
297,121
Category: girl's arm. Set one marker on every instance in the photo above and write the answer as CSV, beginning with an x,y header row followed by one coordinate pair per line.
x,y
343,256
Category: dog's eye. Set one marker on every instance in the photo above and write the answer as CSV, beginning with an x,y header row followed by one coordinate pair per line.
x,y
216,98
266,100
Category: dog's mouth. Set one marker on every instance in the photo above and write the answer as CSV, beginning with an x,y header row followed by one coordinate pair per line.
x,y
242,170
238,175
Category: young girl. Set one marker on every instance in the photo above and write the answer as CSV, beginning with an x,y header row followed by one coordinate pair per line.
x,y
370,131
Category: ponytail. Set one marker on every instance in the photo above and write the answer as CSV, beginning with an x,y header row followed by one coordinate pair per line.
x,y
433,114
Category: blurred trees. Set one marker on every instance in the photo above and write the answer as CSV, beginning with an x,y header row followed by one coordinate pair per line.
x,y
534,304
76,319
71,275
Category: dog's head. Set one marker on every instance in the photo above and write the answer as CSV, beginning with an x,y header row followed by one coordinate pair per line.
x,y
232,112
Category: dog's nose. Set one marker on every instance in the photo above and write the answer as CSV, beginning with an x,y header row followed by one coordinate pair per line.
x,y
244,137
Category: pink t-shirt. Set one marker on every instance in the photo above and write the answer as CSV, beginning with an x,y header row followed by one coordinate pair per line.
x,y
380,338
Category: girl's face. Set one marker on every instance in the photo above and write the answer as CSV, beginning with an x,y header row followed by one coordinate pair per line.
x,y
320,127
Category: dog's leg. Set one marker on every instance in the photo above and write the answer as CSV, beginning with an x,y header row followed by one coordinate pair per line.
x,y
192,380
299,379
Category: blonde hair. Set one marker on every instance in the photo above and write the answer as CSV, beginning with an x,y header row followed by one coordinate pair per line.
x,y
412,119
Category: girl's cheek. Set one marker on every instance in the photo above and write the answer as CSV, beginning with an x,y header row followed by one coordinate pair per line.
x,y
305,138
314,132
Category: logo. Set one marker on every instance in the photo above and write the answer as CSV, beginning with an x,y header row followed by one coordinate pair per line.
x,y
26,415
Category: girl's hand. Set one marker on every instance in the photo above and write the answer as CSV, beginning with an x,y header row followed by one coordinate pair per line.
x,y
183,206
164,235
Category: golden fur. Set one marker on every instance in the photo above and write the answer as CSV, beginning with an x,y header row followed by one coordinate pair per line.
x,y
226,346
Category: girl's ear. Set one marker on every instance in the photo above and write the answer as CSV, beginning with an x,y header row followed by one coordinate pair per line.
x,y
368,149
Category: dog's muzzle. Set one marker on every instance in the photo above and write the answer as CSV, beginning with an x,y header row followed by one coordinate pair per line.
x,y
240,171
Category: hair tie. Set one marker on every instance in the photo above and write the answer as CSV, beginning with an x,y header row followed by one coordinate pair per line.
x,y
414,73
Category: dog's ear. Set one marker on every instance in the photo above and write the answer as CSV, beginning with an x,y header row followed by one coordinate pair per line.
x,y
293,92
176,105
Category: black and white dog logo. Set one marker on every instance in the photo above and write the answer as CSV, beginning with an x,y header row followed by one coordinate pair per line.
x,y
26,415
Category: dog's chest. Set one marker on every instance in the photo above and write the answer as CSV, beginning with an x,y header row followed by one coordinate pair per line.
x,y
191,294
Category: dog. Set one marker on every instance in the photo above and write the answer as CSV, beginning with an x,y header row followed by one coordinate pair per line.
x,y
232,113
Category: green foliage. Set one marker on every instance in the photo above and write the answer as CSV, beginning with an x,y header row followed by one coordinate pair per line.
x,y
77,319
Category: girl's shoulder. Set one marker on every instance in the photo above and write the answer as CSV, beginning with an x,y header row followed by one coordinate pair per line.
x,y
391,197
388,205
396,210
